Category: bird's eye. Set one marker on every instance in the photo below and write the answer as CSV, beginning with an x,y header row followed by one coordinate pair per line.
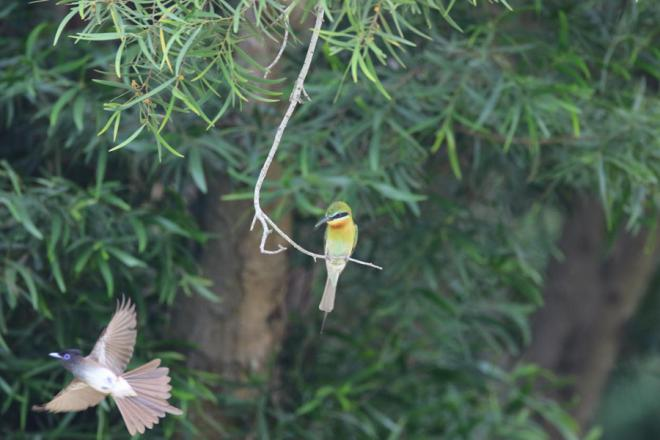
x,y
66,356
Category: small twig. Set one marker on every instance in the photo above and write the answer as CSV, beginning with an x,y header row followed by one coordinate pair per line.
x,y
285,38
266,222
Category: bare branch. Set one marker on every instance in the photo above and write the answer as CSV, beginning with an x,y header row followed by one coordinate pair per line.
x,y
285,38
266,222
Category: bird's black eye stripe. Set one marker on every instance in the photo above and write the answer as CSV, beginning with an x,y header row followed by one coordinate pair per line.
x,y
339,215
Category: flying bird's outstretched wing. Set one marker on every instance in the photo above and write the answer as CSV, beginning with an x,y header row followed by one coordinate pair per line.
x,y
115,345
77,396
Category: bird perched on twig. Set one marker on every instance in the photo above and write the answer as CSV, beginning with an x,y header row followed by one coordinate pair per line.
x,y
140,394
341,235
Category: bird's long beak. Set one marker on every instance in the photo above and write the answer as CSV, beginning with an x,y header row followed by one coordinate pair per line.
x,y
322,221
55,355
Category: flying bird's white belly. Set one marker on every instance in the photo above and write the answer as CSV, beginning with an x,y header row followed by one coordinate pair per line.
x,y
105,381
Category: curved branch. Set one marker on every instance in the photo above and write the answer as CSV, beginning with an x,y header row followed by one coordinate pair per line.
x,y
266,222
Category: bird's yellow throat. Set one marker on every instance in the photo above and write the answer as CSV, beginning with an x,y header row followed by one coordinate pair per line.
x,y
340,222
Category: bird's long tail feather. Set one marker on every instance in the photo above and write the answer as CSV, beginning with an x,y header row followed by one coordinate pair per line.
x,y
151,383
327,303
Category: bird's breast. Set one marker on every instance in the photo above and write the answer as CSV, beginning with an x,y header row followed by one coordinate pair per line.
x,y
100,378
339,243
105,381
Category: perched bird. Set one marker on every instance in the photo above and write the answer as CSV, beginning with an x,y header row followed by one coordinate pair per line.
x,y
140,394
341,235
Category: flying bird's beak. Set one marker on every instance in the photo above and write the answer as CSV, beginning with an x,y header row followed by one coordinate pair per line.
x,y
55,355
322,221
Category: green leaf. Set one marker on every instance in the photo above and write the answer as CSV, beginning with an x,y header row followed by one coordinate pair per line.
x,y
118,55
67,18
184,50
130,139
308,407
114,84
99,36
440,136
101,163
453,155
82,260
196,169
57,273
515,118
26,275
60,103
200,287
24,217
10,282
396,194
32,40
161,140
365,69
189,101
149,94
106,273
55,233
125,257
144,50
115,115
78,112
140,232
15,180
168,113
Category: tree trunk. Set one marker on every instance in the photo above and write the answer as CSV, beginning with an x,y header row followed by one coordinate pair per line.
x,y
239,335
589,297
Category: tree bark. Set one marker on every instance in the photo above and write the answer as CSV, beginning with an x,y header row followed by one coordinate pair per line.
x,y
589,297
239,335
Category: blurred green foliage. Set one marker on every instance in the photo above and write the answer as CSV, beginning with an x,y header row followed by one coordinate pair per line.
x,y
630,405
458,150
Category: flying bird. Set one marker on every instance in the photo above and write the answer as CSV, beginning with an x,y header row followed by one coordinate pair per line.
x,y
341,234
140,394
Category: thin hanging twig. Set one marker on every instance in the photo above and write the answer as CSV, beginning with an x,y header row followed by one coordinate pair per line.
x,y
266,222
285,38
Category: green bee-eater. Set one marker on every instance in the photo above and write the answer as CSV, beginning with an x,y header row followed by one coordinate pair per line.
x,y
341,235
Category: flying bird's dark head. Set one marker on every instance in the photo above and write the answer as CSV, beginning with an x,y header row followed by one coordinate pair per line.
x,y
68,358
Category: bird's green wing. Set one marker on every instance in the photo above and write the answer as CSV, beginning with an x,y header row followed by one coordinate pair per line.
x,y
325,241
355,239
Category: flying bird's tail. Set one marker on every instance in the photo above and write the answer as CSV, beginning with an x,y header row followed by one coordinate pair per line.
x,y
152,386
